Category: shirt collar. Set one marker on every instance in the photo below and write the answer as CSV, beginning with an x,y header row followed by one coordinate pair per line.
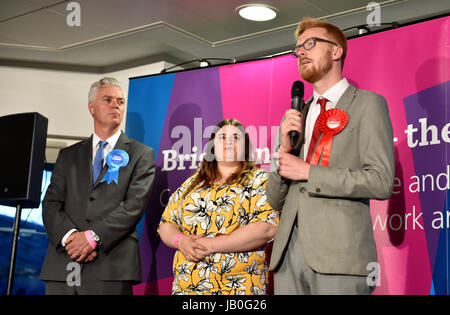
x,y
111,140
334,93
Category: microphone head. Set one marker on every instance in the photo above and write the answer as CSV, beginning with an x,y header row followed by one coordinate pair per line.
x,y
298,89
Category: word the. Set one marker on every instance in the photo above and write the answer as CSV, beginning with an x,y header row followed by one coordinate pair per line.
x,y
425,132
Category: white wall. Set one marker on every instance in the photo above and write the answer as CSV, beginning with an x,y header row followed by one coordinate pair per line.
x,y
61,96
58,95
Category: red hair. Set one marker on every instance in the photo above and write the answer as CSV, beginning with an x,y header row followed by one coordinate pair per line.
x,y
335,32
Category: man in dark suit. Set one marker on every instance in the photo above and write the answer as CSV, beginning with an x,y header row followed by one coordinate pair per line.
x,y
99,191
324,242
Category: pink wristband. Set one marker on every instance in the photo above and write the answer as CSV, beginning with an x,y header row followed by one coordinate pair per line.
x,y
90,239
175,241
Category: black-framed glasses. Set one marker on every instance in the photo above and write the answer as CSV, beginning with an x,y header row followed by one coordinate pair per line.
x,y
309,44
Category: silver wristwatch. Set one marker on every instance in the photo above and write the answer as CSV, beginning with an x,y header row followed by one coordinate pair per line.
x,y
95,236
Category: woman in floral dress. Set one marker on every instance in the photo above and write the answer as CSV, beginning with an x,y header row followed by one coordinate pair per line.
x,y
220,221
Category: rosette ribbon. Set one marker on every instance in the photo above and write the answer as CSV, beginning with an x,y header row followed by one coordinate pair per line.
x,y
115,160
330,123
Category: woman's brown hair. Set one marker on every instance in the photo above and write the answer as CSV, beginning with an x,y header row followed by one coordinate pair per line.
x,y
208,171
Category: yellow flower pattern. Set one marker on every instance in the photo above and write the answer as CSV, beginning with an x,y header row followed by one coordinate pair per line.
x,y
221,209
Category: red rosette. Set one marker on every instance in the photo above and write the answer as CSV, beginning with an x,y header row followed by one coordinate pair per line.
x,y
330,123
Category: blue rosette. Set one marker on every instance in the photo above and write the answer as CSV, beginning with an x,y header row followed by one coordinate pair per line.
x,y
115,160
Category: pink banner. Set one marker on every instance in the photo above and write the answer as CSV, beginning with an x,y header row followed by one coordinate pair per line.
x,y
408,66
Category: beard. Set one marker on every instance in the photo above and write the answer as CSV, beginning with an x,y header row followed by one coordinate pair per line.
x,y
313,74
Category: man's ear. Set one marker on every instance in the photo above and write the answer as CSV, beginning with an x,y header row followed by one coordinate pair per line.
x,y
337,53
91,108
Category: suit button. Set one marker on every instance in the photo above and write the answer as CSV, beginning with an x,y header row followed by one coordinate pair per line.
x,y
317,190
302,189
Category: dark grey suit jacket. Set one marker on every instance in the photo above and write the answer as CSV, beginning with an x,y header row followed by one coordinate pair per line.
x,y
332,206
110,210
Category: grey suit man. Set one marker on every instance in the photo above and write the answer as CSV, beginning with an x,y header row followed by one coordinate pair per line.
x,y
92,225
324,243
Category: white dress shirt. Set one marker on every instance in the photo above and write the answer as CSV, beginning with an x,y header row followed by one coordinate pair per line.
x,y
106,150
333,95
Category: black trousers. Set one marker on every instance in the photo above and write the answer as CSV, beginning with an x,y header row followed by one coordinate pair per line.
x,y
88,284
97,287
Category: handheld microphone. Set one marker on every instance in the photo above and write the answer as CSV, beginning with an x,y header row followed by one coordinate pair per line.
x,y
297,92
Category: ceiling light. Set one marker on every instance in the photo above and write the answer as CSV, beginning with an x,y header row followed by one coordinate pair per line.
x,y
204,63
257,12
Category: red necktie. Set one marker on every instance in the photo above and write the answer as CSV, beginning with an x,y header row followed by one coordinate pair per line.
x,y
316,132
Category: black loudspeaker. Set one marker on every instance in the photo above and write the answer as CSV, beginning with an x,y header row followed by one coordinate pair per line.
x,y
22,139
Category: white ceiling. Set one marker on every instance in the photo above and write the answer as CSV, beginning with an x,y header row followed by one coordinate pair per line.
x,y
117,34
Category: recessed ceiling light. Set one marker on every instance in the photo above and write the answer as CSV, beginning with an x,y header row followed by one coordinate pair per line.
x,y
257,12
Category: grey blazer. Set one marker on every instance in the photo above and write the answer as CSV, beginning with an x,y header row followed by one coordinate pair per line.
x,y
111,210
332,206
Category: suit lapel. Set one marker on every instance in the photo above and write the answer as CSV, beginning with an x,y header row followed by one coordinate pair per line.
x,y
305,113
347,98
86,161
344,103
121,144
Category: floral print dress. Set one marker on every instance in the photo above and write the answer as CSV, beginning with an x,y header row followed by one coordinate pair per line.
x,y
221,209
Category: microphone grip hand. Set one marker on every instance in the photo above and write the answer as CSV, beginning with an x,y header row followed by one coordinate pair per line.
x,y
290,130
